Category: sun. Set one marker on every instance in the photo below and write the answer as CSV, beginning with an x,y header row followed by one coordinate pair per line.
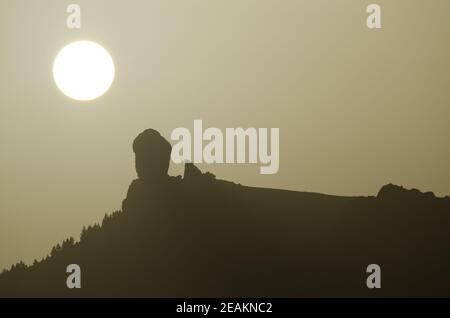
x,y
83,70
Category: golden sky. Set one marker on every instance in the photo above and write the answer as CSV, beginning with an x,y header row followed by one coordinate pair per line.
x,y
356,108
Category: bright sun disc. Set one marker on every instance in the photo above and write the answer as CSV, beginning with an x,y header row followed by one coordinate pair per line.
x,y
83,70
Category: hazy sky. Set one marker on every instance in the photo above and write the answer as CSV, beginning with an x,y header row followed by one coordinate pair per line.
x,y
356,108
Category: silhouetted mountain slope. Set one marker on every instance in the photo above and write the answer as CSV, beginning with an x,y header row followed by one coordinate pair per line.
x,y
198,236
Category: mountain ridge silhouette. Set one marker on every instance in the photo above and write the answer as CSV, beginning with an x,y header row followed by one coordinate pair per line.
x,y
196,236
